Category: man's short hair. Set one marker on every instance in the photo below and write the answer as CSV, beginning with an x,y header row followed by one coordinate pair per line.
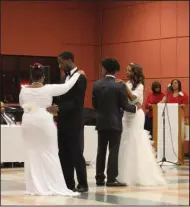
x,y
111,65
67,55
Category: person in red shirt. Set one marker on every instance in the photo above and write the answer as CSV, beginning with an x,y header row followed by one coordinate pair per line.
x,y
175,94
153,98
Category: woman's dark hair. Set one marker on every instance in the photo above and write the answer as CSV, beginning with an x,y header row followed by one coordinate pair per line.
x,y
179,85
155,85
111,65
37,71
137,75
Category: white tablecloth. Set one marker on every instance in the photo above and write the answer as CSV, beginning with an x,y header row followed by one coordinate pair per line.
x,y
90,143
12,149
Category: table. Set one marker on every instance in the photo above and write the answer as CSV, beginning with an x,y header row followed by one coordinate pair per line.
x,y
12,149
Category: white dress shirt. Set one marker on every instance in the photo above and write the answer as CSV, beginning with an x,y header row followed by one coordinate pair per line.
x,y
72,71
110,76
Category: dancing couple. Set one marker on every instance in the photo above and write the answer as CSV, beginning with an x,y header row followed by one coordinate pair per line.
x,y
53,153
120,124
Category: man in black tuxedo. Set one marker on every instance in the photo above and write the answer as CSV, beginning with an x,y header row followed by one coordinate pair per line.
x,y
109,98
70,124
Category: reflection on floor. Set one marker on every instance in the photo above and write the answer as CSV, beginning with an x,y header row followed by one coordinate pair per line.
x,y
176,192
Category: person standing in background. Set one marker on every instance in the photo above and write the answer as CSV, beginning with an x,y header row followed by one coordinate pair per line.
x,y
175,94
153,98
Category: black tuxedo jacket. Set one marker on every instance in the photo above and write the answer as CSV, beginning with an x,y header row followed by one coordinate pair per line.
x,y
71,105
109,99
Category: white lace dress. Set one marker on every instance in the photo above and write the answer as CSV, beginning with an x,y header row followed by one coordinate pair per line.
x,y
137,162
43,173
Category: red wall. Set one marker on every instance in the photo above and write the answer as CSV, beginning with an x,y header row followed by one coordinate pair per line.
x,y
48,28
153,34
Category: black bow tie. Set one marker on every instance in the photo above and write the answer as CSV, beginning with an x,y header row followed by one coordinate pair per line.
x,y
68,73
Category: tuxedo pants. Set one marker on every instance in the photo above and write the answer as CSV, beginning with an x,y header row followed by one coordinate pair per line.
x,y
71,147
105,138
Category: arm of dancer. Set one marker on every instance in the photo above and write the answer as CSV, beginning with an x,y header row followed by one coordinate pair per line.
x,y
78,99
130,95
134,94
123,100
60,89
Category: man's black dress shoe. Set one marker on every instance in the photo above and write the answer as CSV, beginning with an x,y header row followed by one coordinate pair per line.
x,y
82,189
74,190
115,184
100,183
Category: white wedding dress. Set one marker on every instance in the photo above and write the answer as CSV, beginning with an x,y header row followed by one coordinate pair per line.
x,y
137,164
43,171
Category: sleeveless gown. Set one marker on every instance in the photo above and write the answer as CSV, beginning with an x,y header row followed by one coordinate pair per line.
x,y
137,164
43,172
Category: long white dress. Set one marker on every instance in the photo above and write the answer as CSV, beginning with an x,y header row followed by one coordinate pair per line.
x,y
137,164
43,173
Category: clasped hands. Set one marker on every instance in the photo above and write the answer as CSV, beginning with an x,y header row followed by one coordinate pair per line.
x,y
54,109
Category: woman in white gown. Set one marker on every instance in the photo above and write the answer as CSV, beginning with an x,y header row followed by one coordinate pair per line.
x,y
137,162
43,173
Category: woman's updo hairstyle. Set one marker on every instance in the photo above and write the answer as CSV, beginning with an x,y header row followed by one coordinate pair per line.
x,y
37,72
